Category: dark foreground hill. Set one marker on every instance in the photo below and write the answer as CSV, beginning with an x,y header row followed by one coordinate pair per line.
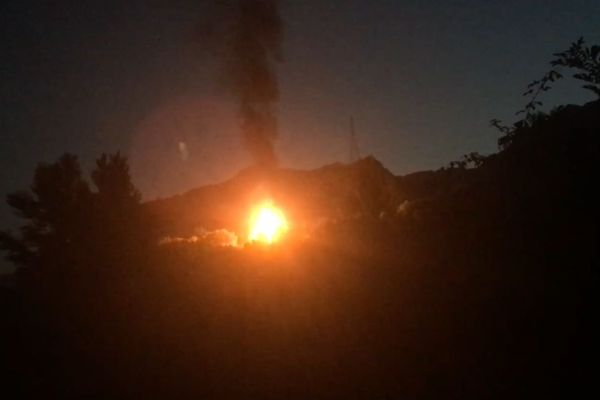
x,y
473,283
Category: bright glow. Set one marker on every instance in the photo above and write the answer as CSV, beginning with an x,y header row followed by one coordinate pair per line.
x,y
267,224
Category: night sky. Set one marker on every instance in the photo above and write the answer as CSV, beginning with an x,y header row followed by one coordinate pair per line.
x,y
421,78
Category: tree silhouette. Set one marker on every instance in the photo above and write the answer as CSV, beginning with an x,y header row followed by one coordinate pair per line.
x,y
54,210
119,230
113,181
72,227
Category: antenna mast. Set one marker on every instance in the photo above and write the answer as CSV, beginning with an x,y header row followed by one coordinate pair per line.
x,y
354,153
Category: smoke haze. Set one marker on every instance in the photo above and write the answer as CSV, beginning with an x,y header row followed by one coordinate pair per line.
x,y
247,36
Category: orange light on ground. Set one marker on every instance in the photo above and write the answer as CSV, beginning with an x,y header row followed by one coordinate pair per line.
x,y
267,224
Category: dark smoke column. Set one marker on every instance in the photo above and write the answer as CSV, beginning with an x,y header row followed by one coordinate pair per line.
x,y
247,37
255,46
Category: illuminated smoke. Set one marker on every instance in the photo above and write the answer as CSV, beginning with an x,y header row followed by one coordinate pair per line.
x,y
216,238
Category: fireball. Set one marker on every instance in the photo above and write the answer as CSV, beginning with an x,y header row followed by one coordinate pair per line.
x,y
267,224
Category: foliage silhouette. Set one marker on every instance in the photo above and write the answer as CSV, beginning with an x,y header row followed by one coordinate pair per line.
x,y
55,211
470,160
69,225
585,60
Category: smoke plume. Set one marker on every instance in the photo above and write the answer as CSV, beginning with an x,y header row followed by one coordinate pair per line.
x,y
248,37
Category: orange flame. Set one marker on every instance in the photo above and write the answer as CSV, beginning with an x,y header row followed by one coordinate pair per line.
x,y
267,224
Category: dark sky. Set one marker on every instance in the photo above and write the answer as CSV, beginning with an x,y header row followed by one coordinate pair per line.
x,y
422,79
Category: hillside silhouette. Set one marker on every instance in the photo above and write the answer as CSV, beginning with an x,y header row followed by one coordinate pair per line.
x,y
334,191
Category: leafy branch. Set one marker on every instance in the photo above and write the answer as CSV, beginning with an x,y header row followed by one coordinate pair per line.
x,y
585,60
537,87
